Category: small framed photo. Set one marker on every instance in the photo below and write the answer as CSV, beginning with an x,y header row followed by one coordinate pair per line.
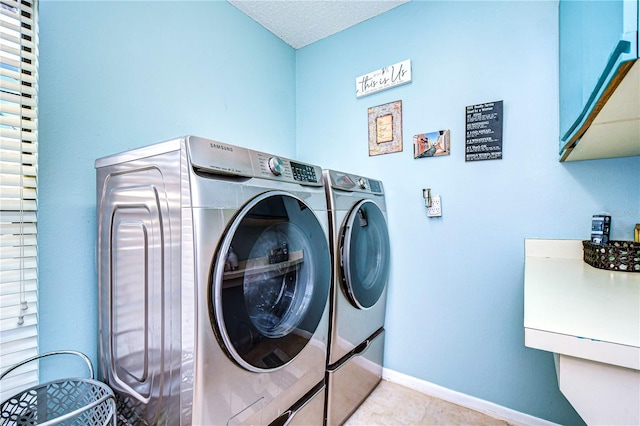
x,y
385,128
433,144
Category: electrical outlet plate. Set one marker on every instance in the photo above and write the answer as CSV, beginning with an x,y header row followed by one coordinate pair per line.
x,y
436,207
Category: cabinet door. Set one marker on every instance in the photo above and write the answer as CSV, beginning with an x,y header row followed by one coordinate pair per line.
x,y
596,37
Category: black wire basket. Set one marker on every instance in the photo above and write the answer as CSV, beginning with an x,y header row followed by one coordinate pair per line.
x,y
73,401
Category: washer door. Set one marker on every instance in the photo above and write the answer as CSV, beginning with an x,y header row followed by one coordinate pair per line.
x,y
270,281
364,254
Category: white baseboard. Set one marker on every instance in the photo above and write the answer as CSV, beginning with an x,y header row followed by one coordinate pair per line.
x,y
489,408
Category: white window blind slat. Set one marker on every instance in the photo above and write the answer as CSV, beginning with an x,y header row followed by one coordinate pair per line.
x,y
14,383
15,57
17,205
17,157
22,6
10,32
17,88
19,109
9,49
9,133
17,264
17,100
14,302
27,331
22,276
15,288
21,346
12,144
17,121
15,231
17,169
17,252
11,74
7,320
16,180
8,217
9,240
18,192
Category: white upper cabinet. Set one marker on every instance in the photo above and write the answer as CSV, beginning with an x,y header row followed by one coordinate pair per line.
x,y
599,79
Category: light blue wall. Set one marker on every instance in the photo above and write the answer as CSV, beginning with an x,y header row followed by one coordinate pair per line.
x,y
119,75
455,307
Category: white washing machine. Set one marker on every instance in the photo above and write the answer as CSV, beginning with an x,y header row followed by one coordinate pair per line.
x,y
214,272
361,261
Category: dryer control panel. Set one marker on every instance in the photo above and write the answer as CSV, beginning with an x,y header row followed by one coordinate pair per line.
x,y
349,182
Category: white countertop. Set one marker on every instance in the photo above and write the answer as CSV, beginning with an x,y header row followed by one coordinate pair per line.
x,y
575,309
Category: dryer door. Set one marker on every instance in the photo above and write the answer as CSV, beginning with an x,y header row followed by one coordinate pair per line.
x,y
270,281
364,254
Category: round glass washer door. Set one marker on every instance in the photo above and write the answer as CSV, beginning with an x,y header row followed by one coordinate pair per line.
x,y
365,254
270,281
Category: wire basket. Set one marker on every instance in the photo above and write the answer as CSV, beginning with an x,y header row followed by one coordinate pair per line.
x,y
74,401
614,255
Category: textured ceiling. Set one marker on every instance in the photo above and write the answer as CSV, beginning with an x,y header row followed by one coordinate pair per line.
x,y
302,22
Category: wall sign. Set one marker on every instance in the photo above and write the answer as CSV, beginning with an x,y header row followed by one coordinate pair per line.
x,y
384,78
385,128
484,132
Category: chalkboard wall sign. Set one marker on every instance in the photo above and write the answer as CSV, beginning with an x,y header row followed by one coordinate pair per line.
x,y
484,132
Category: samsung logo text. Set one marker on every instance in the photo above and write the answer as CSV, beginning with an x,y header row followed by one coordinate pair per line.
x,y
222,147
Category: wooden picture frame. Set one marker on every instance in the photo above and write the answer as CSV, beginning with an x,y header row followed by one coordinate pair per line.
x,y
385,128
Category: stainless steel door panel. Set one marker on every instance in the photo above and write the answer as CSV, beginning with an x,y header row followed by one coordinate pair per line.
x,y
350,384
269,303
236,388
364,251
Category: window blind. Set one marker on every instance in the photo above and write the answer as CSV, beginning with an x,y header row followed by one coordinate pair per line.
x,y
18,192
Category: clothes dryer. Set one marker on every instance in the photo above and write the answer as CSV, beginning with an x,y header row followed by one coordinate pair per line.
x,y
214,275
361,261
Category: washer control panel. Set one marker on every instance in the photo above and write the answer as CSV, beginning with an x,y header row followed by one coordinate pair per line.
x,y
284,169
304,172
276,165
208,156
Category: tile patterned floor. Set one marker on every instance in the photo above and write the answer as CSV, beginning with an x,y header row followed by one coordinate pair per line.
x,y
392,404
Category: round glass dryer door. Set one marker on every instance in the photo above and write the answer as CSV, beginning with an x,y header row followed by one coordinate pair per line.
x,y
365,254
270,281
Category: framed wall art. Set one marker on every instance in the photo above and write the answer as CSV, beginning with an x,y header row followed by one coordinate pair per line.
x,y
385,128
432,144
